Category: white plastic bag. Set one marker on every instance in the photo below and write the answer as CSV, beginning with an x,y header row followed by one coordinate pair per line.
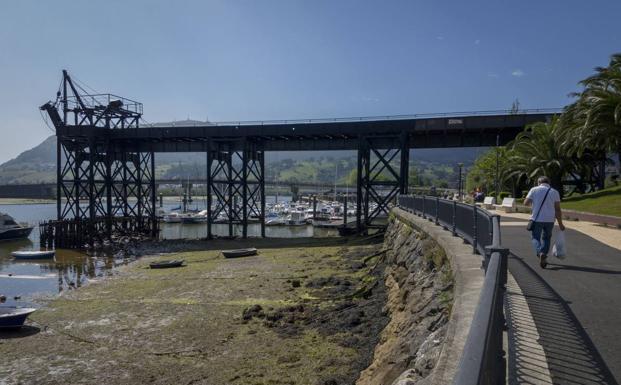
x,y
559,250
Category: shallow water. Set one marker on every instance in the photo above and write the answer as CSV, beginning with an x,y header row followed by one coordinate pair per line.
x,y
36,280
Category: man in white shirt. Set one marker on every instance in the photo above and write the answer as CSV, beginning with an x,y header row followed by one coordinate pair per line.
x,y
546,203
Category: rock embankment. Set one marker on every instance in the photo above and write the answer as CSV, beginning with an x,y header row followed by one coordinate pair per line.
x,y
419,283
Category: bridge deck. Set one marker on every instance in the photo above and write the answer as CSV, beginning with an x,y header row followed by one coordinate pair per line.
x,y
430,132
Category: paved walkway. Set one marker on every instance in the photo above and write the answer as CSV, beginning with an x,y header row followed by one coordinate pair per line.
x,y
610,236
575,305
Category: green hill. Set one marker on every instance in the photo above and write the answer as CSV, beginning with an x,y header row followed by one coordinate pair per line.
x,y
431,166
37,165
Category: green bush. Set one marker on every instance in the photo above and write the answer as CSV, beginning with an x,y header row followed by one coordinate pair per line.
x,y
503,195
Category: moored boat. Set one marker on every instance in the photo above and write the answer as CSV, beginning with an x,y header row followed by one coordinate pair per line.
x,y
14,317
239,252
296,218
9,229
276,222
33,254
166,264
173,217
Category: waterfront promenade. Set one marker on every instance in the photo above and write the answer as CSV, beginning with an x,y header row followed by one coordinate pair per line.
x,y
574,305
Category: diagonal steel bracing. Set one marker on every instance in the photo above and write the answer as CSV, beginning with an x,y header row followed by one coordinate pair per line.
x,y
98,187
235,186
381,175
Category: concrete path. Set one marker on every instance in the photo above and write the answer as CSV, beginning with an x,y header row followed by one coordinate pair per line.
x,y
575,305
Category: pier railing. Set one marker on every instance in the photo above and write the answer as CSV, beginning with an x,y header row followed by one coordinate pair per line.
x,y
455,114
483,359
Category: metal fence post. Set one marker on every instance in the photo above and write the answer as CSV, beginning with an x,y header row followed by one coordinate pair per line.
x,y
474,234
454,218
491,229
424,216
437,210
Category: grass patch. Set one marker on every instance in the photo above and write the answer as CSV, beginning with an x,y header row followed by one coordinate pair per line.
x,y
605,202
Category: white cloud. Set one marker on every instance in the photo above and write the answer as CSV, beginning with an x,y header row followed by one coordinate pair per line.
x,y
370,99
518,73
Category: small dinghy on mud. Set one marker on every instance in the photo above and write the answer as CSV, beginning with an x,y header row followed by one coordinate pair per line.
x,y
239,253
14,317
166,264
33,254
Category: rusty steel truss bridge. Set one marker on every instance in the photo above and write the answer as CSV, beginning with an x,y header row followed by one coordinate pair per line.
x,y
106,153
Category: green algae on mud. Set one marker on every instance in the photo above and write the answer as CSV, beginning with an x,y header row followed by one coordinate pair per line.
x,y
321,314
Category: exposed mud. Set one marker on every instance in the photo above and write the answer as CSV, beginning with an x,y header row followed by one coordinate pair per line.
x,y
301,312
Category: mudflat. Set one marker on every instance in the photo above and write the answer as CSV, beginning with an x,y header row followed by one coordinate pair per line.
x,y
301,312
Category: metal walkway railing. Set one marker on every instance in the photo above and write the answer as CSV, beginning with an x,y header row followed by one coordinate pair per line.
x,y
483,358
456,114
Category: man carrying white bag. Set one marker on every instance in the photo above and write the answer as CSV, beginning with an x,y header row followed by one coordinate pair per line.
x,y
559,250
546,203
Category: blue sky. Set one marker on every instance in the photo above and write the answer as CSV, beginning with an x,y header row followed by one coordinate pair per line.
x,y
247,60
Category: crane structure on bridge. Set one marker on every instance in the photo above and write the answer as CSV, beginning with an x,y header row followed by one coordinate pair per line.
x,y
105,153
119,183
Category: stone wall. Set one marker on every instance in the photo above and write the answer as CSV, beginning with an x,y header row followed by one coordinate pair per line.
x,y
430,276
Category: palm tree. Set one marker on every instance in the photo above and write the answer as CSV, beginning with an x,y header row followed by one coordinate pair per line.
x,y
540,150
595,118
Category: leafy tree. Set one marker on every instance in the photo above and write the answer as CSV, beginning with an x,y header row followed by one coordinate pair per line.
x,y
482,174
540,150
594,120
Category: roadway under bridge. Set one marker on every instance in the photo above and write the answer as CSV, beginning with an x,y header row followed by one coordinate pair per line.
x,y
105,153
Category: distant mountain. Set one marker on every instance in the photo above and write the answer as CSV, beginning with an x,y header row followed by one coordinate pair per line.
x,y
38,165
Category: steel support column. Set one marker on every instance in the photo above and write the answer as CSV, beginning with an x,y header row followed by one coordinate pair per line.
x,y
359,208
254,186
404,166
244,193
236,178
209,155
261,156
382,175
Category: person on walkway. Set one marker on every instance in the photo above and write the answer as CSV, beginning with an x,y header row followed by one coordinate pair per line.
x,y
546,203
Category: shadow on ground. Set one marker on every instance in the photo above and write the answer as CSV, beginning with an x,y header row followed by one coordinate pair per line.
x,y
24,331
546,342
558,266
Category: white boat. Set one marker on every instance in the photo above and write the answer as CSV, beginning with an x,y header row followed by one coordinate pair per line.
x,y
296,218
201,216
173,217
33,254
278,221
9,229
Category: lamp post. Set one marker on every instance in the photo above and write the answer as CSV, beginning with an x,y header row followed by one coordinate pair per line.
x,y
497,179
460,185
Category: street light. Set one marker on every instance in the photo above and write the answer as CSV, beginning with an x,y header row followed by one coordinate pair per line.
x,y
497,179
459,186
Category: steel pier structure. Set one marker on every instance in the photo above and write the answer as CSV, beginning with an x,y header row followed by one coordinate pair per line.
x,y
105,168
